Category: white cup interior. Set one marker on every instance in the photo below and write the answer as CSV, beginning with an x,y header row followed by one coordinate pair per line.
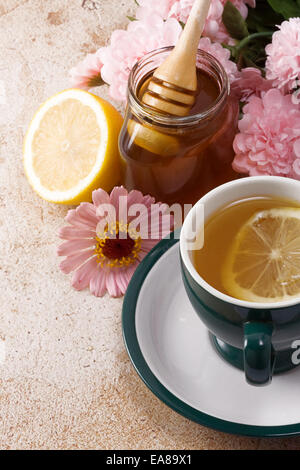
x,y
276,186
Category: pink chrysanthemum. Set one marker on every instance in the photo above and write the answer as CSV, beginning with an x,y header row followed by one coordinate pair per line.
x,y
214,27
127,47
152,30
283,61
87,73
222,54
269,138
103,250
250,82
149,8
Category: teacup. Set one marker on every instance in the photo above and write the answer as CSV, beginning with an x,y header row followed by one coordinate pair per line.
x,y
259,338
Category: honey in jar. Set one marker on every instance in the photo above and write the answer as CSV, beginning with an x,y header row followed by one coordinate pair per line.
x,y
179,159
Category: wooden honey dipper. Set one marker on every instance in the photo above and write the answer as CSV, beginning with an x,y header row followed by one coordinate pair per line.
x,y
172,88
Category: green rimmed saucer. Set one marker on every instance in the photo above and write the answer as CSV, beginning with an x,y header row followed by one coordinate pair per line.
x,y
172,352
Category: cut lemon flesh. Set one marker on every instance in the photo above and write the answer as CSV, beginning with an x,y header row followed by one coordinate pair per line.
x,y
71,147
263,264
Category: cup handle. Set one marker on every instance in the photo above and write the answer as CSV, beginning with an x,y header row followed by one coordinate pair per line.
x,y
258,353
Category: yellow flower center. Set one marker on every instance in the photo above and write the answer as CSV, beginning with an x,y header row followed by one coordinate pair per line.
x,y
117,246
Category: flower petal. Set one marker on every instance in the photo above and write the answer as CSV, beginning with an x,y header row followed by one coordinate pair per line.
x,y
117,192
100,197
135,197
147,245
130,271
74,261
111,284
122,280
73,219
71,233
83,216
73,246
81,278
87,212
98,283
297,148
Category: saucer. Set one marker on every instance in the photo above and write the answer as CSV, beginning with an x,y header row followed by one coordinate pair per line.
x,y
172,352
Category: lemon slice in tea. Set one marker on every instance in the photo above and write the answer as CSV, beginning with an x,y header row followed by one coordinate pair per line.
x,y
263,264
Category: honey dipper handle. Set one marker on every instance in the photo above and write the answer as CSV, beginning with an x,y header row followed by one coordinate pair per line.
x,y
180,66
194,26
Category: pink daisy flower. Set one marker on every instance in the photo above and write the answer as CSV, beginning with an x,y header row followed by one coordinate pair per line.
x,y
283,61
269,138
105,240
87,74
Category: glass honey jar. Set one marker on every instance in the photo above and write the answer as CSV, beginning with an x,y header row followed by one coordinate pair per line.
x,y
179,159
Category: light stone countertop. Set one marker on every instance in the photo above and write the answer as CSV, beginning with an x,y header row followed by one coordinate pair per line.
x,y
67,382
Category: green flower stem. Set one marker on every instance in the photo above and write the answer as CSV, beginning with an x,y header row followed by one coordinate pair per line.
x,y
250,38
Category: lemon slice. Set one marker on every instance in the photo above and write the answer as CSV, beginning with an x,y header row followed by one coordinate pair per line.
x,y
263,264
152,140
71,147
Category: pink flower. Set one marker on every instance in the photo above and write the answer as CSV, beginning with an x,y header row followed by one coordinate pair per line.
x,y
283,61
250,82
214,27
269,138
148,8
87,74
106,241
180,9
222,55
113,63
127,47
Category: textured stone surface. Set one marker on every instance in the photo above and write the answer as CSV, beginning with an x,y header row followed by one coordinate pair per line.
x,y
67,381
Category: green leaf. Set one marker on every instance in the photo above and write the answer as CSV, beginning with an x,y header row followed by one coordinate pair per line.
x,y
131,18
248,62
182,24
234,22
263,18
287,8
252,50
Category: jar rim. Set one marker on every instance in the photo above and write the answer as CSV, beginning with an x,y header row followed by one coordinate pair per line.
x,y
146,112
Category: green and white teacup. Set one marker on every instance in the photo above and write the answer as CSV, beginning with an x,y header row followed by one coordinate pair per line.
x,y
259,338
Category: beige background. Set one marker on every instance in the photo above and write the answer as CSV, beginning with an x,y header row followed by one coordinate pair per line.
x,y
67,381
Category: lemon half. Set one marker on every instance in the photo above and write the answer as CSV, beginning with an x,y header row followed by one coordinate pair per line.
x,y
263,264
71,147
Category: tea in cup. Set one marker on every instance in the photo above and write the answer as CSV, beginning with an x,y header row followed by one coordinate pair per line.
x,y
244,282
